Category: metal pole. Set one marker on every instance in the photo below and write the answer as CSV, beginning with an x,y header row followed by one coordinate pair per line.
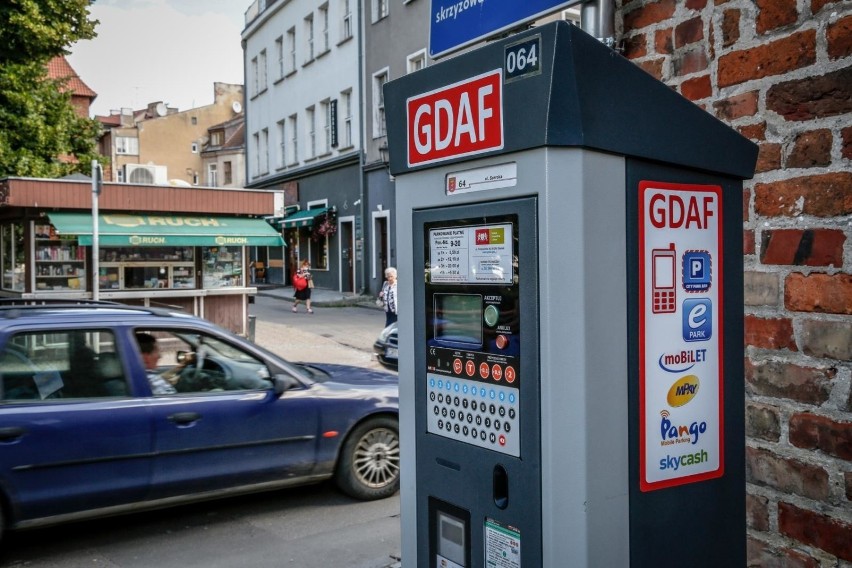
x,y
96,192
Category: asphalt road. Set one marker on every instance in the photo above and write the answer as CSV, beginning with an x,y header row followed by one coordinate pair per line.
x,y
306,527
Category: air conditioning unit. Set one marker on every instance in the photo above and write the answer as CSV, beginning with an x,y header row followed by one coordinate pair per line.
x,y
145,174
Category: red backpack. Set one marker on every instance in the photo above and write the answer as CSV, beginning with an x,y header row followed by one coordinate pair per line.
x,y
299,282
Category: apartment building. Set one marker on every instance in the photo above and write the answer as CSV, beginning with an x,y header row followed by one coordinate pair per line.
x,y
395,42
303,130
161,144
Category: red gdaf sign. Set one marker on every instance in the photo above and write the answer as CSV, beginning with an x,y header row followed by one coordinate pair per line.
x,y
458,120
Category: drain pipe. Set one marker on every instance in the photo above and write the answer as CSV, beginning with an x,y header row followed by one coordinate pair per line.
x,y
597,19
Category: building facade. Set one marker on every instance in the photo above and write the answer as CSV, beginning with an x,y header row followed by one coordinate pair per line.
x,y
780,73
395,42
303,132
160,144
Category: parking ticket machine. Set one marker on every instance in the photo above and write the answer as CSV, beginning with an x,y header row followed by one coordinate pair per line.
x,y
570,258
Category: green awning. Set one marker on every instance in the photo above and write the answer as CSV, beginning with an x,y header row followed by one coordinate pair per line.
x,y
304,218
121,229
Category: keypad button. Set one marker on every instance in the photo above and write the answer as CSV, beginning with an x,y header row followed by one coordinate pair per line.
x,y
478,420
501,412
492,437
432,396
436,410
470,418
487,422
456,401
464,403
457,429
497,425
512,413
507,427
452,414
444,412
464,430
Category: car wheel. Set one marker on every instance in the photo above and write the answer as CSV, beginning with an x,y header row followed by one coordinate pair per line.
x,y
368,467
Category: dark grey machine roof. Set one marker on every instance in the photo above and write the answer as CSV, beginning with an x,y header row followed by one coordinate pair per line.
x,y
586,95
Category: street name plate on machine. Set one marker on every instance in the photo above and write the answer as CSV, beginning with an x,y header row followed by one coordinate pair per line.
x,y
473,336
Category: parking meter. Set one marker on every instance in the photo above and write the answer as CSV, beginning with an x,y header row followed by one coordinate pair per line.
x,y
570,252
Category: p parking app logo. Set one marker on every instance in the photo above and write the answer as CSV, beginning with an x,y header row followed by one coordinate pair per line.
x,y
697,270
697,319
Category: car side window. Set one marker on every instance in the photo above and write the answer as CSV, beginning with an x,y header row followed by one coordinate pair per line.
x,y
69,364
183,361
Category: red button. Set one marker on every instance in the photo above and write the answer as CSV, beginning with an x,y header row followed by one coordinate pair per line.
x,y
510,374
470,368
502,341
483,370
457,366
502,440
497,372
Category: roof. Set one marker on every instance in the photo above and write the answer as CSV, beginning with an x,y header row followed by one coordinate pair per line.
x,y
59,68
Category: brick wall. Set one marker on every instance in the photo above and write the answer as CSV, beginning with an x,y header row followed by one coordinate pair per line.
x,y
780,72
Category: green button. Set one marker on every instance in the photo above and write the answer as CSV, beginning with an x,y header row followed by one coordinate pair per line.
x,y
491,316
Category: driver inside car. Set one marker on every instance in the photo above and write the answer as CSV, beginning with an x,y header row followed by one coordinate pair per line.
x,y
151,357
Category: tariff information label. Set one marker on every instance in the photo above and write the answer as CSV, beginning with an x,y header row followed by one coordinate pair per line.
x,y
475,255
502,545
680,334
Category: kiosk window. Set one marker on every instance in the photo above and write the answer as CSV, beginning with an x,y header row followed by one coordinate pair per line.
x,y
458,318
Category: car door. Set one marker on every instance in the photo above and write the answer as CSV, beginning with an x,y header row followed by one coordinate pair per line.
x,y
72,438
216,435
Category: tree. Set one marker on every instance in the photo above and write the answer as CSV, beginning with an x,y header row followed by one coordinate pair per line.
x,y
39,128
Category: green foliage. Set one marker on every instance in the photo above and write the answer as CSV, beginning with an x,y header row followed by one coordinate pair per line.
x,y
39,128
35,31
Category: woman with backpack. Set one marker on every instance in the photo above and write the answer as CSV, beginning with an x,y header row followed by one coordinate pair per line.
x,y
302,284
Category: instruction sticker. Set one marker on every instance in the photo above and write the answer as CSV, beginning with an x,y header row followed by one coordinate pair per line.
x,y
502,545
471,255
681,410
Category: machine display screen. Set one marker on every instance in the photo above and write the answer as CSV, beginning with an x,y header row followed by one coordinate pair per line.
x,y
458,318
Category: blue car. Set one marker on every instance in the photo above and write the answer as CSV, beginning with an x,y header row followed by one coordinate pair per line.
x,y
108,409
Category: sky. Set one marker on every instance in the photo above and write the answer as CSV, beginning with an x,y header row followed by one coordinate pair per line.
x,y
160,50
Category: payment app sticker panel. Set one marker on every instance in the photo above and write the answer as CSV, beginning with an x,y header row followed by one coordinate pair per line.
x,y
680,315
473,333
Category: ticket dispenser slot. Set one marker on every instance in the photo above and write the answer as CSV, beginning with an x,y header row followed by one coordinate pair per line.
x,y
477,385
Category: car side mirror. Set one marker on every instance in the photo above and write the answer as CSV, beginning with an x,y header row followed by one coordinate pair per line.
x,y
283,383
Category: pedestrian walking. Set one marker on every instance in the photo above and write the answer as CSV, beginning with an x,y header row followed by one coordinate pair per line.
x,y
388,295
302,284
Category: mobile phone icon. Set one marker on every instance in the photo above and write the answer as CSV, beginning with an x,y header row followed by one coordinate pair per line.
x,y
663,280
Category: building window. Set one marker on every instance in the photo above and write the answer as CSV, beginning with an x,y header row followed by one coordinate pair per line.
x,y
309,38
194,178
255,138
194,147
264,151
325,136
291,48
212,178
294,139
216,138
279,53
262,69
346,99
12,250
254,77
417,61
323,16
282,143
346,31
229,175
194,120
380,10
127,145
310,113
379,123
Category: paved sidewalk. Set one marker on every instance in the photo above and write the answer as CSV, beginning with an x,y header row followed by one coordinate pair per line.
x,y
319,296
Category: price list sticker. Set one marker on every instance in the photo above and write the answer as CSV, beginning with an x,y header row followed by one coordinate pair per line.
x,y
472,255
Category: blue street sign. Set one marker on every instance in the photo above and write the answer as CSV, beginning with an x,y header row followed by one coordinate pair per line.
x,y
457,23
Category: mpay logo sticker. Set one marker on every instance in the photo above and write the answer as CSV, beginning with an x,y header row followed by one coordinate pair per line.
x,y
697,270
697,319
